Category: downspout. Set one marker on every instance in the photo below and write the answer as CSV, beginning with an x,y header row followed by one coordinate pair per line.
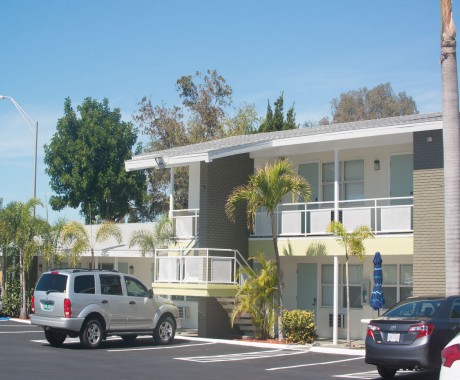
x,y
171,193
335,319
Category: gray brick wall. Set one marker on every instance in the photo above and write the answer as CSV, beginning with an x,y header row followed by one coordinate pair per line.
x,y
217,180
213,320
429,259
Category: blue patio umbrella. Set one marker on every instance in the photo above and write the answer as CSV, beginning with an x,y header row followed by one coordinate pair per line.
x,y
377,301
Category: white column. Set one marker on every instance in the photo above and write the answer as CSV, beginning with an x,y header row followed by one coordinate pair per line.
x,y
336,184
171,193
335,302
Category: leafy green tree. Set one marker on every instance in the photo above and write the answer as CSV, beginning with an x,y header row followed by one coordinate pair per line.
x,y
18,231
265,190
206,96
353,242
244,122
206,100
376,103
274,121
85,161
76,239
451,141
166,129
256,297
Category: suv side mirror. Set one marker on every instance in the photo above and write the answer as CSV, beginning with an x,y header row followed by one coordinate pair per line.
x,y
150,293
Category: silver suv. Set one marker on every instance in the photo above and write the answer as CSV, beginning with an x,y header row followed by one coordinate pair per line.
x,y
94,304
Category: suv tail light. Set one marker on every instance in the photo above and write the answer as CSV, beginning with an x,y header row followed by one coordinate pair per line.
x,y
67,308
32,304
423,329
450,354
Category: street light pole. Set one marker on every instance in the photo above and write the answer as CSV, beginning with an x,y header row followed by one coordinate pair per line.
x,y
34,128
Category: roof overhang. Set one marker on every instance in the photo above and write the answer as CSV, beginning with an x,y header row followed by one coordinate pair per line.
x,y
314,142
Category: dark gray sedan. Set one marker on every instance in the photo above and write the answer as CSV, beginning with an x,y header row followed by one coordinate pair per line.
x,y
412,334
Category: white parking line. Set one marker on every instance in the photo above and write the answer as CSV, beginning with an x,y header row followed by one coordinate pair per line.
x,y
157,348
312,364
242,356
369,375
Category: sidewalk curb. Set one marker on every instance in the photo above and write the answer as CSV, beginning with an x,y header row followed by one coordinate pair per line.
x,y
297,347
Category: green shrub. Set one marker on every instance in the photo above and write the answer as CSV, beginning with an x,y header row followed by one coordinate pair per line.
x,y
299,326
12,298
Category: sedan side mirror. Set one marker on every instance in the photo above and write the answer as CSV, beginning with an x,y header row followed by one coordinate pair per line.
x,y
150,293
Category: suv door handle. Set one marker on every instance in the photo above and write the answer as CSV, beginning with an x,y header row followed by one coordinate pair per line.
x,y
104,301
132,302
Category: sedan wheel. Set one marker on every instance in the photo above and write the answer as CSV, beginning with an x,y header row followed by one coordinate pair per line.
x,y
386,373
91,334
165,331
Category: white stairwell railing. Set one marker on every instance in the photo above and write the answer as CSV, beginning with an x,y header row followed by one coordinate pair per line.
x,y
199,266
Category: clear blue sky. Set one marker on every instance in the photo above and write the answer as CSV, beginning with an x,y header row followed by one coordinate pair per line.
x,y
313,50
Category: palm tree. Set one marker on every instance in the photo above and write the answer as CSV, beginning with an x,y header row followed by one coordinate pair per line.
x,y
52,243
77,239
19,230
266,189
451,141
148,241
353,242
256,297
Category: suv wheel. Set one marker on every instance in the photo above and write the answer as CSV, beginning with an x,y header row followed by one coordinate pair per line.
x,y
386,373
165,330
55,338
91,334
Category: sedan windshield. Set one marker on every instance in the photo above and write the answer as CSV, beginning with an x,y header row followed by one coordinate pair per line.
x,y
415,309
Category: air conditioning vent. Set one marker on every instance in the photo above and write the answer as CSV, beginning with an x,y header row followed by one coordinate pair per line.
x,y
184,312
340,320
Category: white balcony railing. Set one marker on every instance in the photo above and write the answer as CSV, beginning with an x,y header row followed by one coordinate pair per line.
x,y
382,215
185,223
199,266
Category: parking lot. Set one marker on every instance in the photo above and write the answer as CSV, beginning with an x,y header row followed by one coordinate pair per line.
x,y
25,353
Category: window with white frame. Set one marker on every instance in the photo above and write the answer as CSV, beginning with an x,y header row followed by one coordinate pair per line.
x,y
397,283
355,279
351,180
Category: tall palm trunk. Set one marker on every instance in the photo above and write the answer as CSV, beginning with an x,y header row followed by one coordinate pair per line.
x,y
278,279
22,281
451,141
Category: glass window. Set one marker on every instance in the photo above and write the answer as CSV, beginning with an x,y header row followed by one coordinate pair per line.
x,y
351,180
390,296
354,170
390,274
111,285
355,296
455,309
355,280
52,281
135,288
355,274
405,292
328,172
84,284
406,274
327,274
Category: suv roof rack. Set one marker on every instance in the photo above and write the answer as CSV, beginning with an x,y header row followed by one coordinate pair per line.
x,y
75,270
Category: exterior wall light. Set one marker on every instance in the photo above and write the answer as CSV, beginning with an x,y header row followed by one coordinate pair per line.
x,y
131,269
376,165
159,160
